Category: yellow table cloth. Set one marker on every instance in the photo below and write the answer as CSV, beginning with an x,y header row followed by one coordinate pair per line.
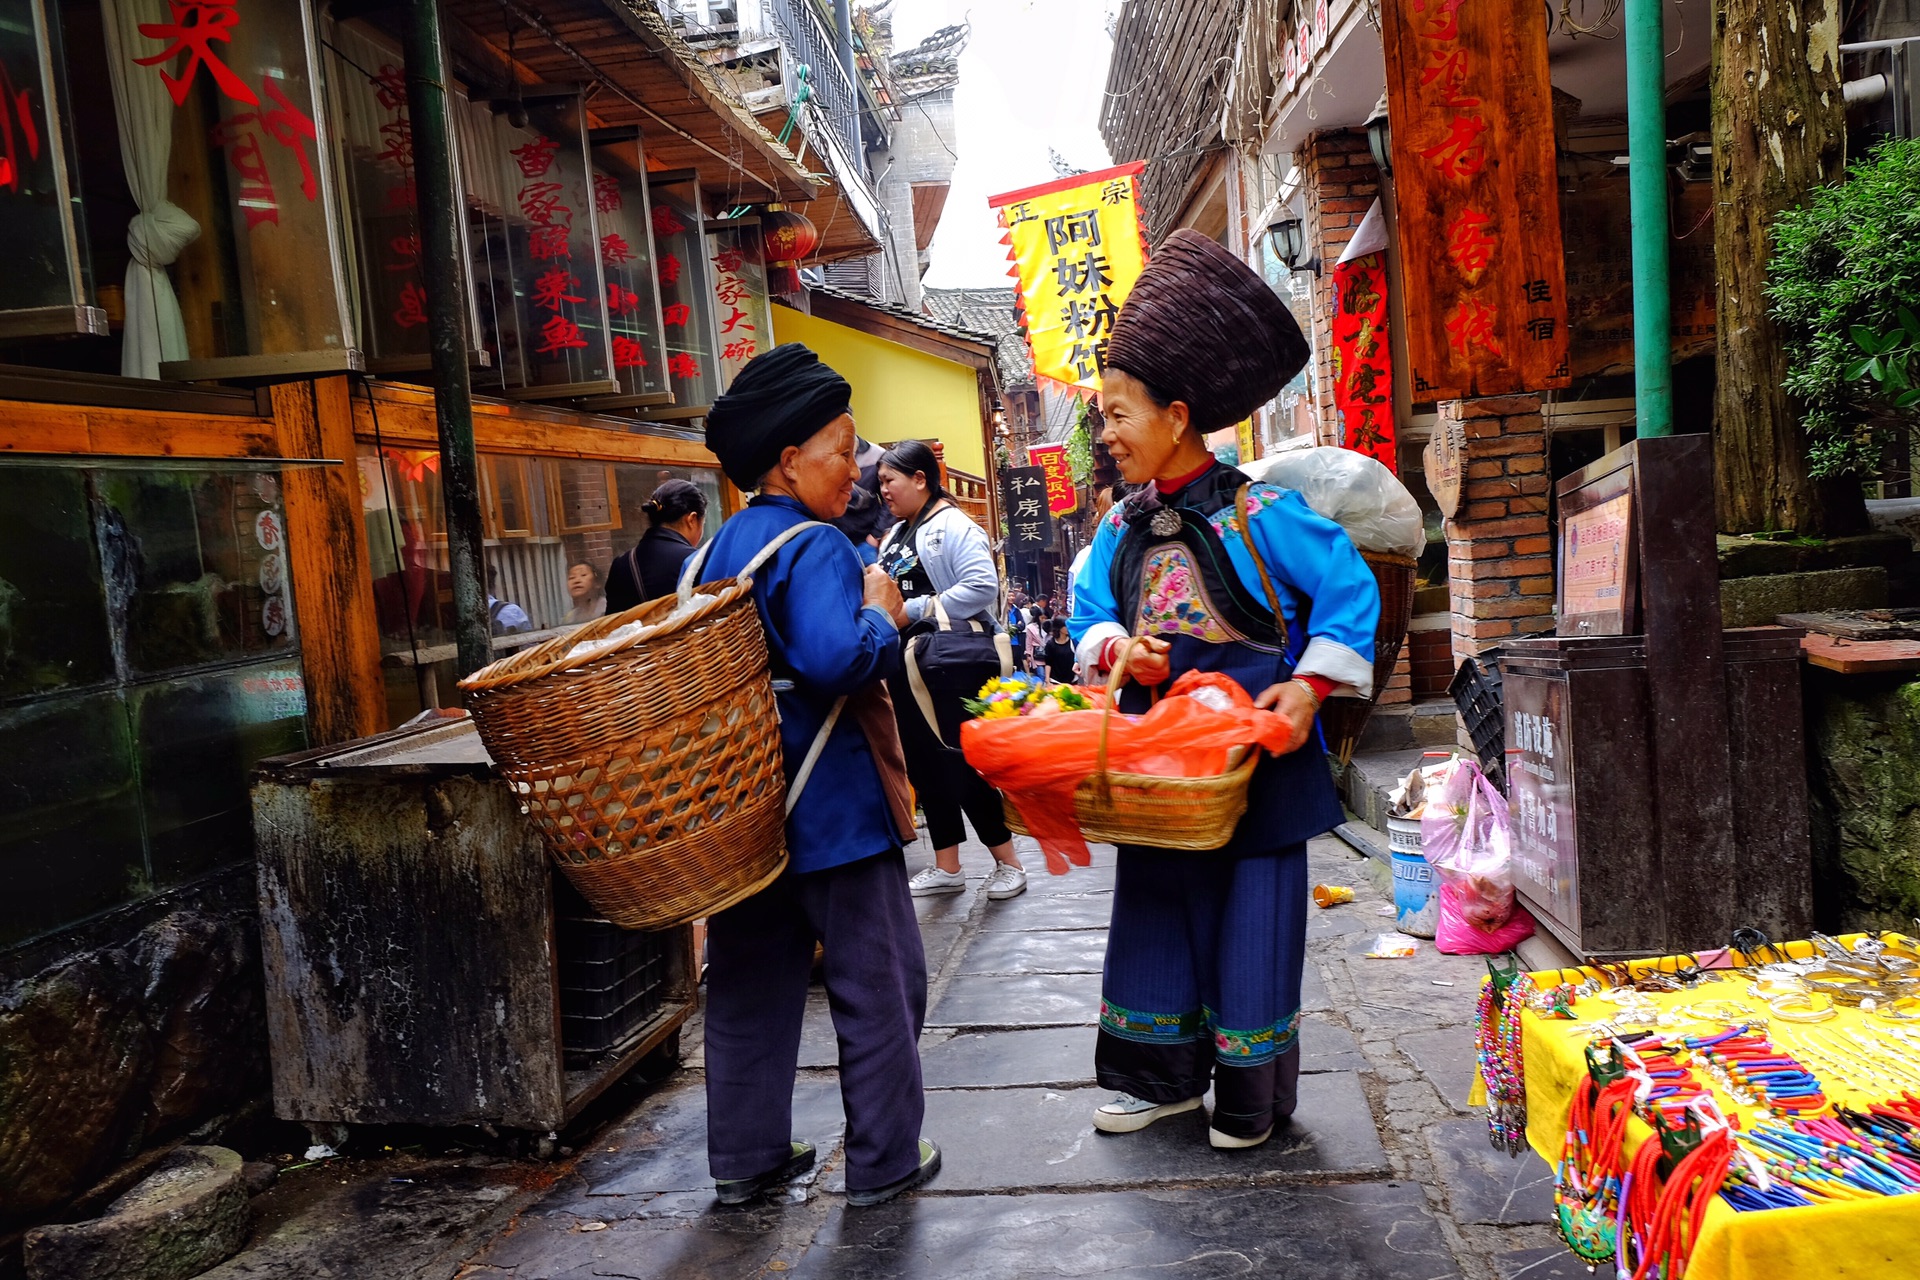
x,y
1879,1238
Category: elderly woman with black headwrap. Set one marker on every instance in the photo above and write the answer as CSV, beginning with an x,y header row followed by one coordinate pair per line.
x,y
832,630
1204,956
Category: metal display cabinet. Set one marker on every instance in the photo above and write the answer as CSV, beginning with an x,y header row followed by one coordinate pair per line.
x,y
418,970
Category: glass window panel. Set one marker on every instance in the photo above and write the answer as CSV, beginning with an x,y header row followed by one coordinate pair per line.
x,y
540,254
197,565
246,76
47,267
53,615
70,835
366,82
742,312
627,258
686,293
198,737
407,544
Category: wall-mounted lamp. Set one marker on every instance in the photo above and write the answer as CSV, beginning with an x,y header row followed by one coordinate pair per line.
x,y
1289,236
1380,136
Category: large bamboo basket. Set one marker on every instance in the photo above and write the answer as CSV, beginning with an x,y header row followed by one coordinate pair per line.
x,y
653,770
1342,719
1194,814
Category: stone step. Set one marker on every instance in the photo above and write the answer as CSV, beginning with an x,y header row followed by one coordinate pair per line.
x,y
189,1215
1432,724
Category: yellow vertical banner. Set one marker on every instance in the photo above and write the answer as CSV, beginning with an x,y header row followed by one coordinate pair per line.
x,y
1077,245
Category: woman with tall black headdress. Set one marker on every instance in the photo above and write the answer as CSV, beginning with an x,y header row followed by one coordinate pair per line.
x,y
832,633
1204,956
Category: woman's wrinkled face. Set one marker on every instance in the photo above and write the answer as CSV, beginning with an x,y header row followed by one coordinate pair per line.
x,y
821,473
904,494
580,582
1141,436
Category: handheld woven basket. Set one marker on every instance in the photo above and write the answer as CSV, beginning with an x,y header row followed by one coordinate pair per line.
x,y
652,768
1163,813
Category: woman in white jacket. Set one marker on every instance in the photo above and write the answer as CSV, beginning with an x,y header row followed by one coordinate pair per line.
x,y
935,553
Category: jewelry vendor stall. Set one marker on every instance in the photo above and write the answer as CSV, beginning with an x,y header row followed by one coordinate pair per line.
x,y
1726,1116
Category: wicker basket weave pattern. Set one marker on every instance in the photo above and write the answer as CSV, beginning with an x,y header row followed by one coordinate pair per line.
x,y
652,770
1163,813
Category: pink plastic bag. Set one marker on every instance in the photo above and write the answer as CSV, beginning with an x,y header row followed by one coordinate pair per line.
x,y
1459,935
1468,841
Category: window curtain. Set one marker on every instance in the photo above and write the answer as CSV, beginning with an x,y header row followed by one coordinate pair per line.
x,y
144,109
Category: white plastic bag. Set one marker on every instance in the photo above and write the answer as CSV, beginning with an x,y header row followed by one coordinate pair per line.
x,y
1355,491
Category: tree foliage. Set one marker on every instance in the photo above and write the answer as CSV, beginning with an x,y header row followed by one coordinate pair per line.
x,y
1844,266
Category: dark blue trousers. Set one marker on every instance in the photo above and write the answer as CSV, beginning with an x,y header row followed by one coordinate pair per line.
x,y
760,954
1202,982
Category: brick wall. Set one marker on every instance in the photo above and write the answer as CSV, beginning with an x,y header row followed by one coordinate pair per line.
x,y
1341,183
1432,662
1499,551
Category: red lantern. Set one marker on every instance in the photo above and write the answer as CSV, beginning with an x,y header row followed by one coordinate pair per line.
x,y
787,238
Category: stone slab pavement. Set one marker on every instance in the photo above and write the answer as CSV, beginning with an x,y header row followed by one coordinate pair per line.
x,y
1386,1173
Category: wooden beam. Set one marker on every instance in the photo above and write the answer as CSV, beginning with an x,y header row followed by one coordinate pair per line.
x,y
328,563
405,417
27,427
884,324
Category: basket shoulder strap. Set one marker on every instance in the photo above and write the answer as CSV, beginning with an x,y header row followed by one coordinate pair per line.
x,y
1266,581
696,563
814,749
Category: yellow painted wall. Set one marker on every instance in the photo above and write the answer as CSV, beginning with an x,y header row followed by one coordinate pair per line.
x,y
898,393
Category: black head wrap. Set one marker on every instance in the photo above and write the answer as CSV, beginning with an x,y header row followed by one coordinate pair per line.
x,y
1202,328
780,398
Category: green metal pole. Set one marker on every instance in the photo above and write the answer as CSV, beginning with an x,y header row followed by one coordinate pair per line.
x,y
1647,174
437,209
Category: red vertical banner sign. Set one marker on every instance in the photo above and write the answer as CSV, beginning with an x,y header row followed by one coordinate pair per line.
x,y
1062,497
1362,354
1474,174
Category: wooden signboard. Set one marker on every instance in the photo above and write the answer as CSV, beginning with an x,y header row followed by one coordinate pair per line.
x,y
1446,465
1475,186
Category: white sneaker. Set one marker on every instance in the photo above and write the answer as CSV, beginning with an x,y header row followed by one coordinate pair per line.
x,y
933,880
1127,1114
1228,1142
1006,881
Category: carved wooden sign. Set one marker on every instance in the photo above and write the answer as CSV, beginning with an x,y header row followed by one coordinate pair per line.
x,y
1475,178
1446,465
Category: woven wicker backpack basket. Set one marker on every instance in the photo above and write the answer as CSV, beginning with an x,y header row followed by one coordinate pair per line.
x,y
651,767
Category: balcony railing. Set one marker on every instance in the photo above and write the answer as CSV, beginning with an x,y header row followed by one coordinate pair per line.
x,y
836,104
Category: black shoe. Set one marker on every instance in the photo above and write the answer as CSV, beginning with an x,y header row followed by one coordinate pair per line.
x,y
741,1190
929,1165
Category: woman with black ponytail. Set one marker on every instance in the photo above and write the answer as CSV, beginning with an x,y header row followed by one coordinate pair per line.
x,y
943,565
676,521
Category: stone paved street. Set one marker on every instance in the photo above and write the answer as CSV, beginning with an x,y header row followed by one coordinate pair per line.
x,y
1385,1174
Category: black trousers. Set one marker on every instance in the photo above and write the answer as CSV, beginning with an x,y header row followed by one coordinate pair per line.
x,y
943,780
760,956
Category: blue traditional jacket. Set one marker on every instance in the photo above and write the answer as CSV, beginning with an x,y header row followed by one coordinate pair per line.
x,y
1176,567
823,640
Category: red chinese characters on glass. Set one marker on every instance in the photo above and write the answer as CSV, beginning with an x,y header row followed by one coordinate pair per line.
x,y
1470,328
1470,243
413,306
406,252
195,25
732,322
16,128
743,350
390,87
285,124
665,223
535,157
669,269
547,242
606,194
676,315
614,250
729,260
622,301
628,354
683,366
540,201
550,289
559,334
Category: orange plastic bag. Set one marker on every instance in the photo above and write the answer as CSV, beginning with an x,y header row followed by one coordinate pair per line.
x,y
1038,761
